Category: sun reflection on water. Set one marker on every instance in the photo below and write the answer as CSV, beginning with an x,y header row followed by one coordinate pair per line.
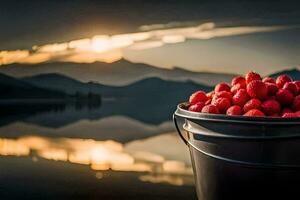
x,y
101,156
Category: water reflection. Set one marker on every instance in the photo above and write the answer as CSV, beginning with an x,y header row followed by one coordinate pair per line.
x,y
115,151
119,128
155,163
60,114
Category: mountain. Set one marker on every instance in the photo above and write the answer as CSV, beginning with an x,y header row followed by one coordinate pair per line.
x,y
62,83
151,101
294,73
12,88
149,86
118,73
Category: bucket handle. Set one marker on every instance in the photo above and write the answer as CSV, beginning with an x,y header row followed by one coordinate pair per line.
x,y
178,130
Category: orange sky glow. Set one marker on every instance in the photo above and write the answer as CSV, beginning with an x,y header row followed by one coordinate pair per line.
x,y
109,49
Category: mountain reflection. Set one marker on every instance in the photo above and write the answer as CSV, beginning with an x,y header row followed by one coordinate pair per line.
x,y
146,156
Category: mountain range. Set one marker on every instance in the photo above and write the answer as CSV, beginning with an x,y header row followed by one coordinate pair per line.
x,y
148,86
141,100
12,88
119,73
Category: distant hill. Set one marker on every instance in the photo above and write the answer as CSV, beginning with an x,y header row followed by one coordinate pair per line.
x,y
151,100
12,88
148,87
294,73
61,83
119,73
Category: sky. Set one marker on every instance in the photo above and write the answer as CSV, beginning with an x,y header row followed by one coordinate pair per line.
x,y
231,36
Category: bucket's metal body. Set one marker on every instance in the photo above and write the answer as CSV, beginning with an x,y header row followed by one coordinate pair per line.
x,y
243,158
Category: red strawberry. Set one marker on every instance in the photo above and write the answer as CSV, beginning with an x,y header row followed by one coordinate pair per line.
x,y
222,104
296,103
197,97
240,98
292,87
282,79
236,87
286,110
269,80
210,109
284,96
298,85
210,95
252,104
239,80
246,95
208,101
234,110
288,115
224,94
252,76
271,107
222,87
254,113
197,107
257,89
272,88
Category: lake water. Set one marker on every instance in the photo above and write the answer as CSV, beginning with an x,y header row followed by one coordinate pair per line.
x,y
116,150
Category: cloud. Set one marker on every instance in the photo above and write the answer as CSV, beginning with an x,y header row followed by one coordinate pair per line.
x,y
171,25
147,45
108,49
36,58
173,39
108,56
8,57
231,31
50,48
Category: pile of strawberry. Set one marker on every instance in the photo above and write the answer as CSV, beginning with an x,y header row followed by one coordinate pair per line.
x,y
251,96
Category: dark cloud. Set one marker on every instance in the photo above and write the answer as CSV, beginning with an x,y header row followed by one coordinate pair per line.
x,y
27,23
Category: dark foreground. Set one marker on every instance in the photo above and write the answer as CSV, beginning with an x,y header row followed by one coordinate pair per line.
x,y
23,178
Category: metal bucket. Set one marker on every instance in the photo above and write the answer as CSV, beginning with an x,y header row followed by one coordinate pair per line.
x,y
236,157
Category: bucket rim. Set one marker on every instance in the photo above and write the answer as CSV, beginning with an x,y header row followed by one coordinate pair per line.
x,y
181,111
